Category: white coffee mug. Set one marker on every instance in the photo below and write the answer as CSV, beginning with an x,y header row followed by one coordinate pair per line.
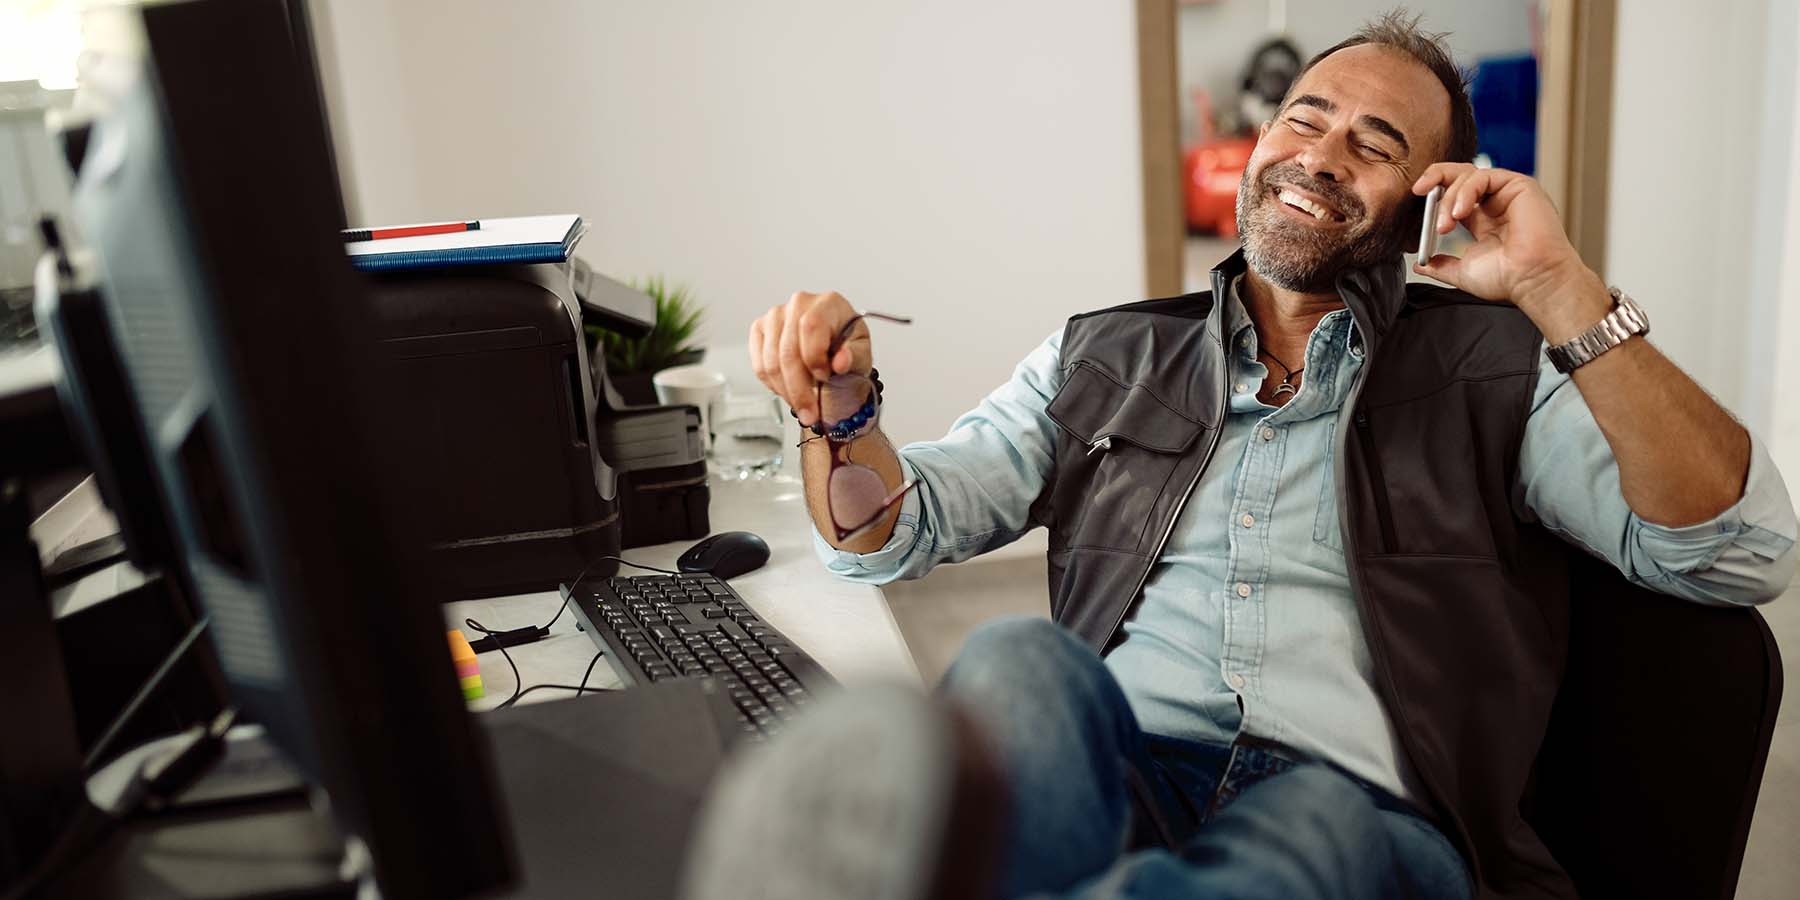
x,y
694,385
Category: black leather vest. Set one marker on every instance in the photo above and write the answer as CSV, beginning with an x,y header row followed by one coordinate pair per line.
x,y
1464,604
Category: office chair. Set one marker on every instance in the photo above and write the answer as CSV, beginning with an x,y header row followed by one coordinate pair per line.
x,y
1647,778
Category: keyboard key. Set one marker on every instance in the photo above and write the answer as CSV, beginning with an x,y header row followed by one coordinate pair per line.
x,y
712,612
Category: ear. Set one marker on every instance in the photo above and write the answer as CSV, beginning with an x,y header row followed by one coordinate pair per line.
x,y
1263,131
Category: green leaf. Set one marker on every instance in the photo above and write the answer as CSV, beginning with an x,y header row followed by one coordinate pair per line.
x,y
678,318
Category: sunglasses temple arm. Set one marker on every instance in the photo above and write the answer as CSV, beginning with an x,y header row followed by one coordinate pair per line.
x,y
897,494
844,534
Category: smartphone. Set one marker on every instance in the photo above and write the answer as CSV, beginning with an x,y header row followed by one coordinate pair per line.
x,y
1428,235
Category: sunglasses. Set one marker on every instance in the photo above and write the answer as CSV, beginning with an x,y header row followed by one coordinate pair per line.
x,y
856,495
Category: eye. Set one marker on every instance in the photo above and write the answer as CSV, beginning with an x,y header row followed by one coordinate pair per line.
x,y
1376,152
1303,126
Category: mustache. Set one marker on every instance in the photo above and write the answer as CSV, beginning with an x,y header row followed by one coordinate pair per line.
x,y
1290,174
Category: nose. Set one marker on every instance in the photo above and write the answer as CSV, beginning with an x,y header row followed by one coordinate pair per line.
x,y
1321,161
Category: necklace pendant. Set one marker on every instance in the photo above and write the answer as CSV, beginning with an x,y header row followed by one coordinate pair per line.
x,y
1284,388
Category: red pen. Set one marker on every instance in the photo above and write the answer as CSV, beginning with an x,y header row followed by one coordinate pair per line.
x,y
376,234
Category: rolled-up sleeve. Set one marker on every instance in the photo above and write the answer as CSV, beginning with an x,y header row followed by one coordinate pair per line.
x,y
1570,480
975,485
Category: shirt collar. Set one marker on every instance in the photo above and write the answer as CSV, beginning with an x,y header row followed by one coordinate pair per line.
x,y
1240,332
1336,339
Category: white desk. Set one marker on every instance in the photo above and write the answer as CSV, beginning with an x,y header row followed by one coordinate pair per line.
x,y
846,626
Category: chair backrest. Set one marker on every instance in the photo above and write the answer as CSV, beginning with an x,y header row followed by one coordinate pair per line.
x,y
1648,775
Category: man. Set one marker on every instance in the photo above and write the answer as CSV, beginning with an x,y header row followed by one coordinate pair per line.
x,y
1316,521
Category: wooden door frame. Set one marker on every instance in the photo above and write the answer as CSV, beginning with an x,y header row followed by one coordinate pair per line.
x,y
1159,127
1574,139
1575,98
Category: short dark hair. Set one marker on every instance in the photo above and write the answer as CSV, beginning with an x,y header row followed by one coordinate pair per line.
x,y
1399,30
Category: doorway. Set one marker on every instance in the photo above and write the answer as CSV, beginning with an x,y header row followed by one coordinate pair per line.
x,y
1211,71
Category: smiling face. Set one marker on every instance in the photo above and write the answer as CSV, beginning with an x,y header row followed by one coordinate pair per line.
x,y
1329,186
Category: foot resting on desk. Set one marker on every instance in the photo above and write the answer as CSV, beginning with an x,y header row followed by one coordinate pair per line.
x,y
876,793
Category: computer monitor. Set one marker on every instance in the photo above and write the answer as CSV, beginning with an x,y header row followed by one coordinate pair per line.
x,y
247,344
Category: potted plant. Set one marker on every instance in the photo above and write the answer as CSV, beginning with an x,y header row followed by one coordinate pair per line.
x,y
630,362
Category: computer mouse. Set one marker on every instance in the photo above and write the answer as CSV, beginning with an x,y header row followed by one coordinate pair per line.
x,y
727,554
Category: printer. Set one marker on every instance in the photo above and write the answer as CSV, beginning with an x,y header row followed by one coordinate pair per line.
x,y
525,468
488,396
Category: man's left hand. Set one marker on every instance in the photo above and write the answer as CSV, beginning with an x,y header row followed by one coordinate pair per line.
x,y
1521,254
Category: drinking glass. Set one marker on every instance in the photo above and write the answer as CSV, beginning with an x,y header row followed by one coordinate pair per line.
x,y
749,431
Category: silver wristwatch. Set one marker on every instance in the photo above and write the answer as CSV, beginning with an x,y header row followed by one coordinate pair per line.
x,y
1626,320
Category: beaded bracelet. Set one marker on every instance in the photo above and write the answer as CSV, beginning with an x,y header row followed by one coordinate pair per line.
x,y
849,427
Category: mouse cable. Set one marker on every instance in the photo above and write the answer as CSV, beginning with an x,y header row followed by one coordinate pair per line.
x,y
569,592
517,685
582,688
519,688
578,689
568,595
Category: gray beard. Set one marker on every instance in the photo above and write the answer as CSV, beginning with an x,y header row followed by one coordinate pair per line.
x,y
1294,257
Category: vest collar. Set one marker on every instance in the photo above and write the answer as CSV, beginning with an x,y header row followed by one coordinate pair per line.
x,y
1374,295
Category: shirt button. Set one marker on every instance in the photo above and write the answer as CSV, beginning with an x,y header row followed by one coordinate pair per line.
x,y
1248,520
1237,682
1241,388
1243,590
1268,434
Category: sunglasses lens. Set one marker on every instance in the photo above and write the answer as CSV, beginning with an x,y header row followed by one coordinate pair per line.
x,y
842,396
857,496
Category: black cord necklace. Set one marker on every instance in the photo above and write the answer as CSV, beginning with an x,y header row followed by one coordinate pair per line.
x,y
1287,380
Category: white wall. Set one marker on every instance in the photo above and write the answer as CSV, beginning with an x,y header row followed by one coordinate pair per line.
x,y
1217,38
1775,338
975,165
1698,184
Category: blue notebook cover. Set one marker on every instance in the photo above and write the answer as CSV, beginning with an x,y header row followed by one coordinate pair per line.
x,y
520,240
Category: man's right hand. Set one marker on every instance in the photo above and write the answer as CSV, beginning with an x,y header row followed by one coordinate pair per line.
x,y
788,346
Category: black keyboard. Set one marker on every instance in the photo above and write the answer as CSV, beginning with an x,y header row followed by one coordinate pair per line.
x,y
656,627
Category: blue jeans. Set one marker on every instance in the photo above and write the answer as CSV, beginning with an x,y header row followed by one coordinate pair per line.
x,y
1240,821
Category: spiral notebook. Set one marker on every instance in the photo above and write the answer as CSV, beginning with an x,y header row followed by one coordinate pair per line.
x,y
521,239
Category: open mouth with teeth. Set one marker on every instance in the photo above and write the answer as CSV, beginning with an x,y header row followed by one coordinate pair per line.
x,y
1293,200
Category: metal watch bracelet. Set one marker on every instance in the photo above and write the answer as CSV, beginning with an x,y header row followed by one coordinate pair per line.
x,y
1625,321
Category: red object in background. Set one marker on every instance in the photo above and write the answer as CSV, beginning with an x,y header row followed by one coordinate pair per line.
x,y
1211,172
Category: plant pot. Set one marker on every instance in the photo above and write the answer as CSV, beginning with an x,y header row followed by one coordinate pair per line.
x,y
636,388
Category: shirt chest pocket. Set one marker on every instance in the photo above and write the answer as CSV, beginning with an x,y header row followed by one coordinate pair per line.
x,y
1120,445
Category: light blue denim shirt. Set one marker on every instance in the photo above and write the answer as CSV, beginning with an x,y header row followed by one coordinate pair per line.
x,y
1247,621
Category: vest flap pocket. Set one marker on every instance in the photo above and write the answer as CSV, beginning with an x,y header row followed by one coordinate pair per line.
x,y
1093,406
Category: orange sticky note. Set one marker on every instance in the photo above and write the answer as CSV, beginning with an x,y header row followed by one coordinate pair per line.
x,y
468,670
